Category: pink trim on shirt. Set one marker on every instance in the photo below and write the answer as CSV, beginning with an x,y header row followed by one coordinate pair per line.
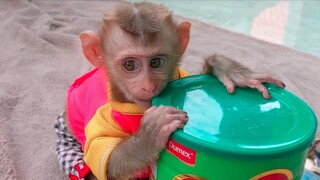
x,y
85,96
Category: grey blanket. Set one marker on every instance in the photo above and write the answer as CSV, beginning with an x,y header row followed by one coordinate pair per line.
x,y
40,55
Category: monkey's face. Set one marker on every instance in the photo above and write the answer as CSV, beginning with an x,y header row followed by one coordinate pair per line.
x,y
141,75
139,68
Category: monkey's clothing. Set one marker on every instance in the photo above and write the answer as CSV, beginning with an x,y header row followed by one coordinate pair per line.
x,y
97,123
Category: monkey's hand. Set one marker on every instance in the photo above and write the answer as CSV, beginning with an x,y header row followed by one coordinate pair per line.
x,y
233,74
158,123
143,148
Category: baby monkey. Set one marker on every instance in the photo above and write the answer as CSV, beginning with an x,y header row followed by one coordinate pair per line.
x,y
137,51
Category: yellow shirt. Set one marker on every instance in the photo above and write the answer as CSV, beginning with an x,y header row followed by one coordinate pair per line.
x,y
103,133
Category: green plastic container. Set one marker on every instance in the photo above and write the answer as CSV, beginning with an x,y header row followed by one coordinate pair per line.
x,y
235,136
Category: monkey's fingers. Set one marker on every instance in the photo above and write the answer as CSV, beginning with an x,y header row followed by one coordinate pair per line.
x,y
253,83
180,116
228,83
163,109
268,79
166,131
172,126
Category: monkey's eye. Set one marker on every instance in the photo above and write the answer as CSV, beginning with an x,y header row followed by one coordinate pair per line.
x,y
157,62
130,65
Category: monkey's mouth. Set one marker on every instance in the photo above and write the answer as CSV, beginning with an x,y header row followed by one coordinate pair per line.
x,y
147,96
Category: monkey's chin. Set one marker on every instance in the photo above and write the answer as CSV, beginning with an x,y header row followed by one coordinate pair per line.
x,y
145,104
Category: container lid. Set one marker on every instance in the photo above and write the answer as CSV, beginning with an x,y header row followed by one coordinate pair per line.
x,y
243,122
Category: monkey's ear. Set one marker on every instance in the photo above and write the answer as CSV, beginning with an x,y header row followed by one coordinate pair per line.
x,y
184,35
91,48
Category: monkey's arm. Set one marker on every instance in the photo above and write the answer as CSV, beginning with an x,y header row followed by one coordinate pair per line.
x,y
143,148
112,154
232,74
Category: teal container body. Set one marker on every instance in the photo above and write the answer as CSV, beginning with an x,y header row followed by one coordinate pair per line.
x,y
235,136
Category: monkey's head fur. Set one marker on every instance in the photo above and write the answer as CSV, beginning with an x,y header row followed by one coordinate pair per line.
x,y
140,47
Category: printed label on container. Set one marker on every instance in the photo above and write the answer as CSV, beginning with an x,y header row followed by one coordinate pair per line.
x,y
183,153
278,174
188,177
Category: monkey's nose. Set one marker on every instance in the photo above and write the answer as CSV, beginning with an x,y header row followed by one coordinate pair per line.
x,y
150,88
